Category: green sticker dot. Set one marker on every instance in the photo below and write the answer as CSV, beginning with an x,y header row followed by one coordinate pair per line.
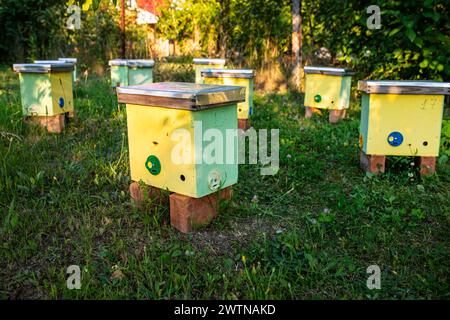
x,y
317,98
153,165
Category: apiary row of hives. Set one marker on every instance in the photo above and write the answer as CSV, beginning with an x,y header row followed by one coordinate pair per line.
x,y
398,118
155,112
126,72
167,121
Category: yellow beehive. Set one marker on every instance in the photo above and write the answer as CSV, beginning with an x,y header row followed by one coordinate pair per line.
x,y
63,60
167,121
206,63
74,61
45,89
402,118
234,77
327,88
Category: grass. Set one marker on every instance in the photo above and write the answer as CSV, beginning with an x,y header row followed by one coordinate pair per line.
x,y
309,232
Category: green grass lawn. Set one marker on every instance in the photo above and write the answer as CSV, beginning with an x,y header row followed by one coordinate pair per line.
x,y
309,232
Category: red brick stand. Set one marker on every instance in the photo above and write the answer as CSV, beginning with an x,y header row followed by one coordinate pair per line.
x,y
186,213
243,124
53,124
376,164
334,116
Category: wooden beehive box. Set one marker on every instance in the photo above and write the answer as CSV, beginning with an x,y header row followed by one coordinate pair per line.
x,y
62,60
402,118
234,77
74,61
327,88
167,121
206,63
46,89
140,71
128,72
119,72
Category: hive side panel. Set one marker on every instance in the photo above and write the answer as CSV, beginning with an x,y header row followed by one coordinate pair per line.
x,y
36,95
226,167
327,87
152,131
418,119
74,73
218,81
198,71
198,76
62,88
250,96
138,76
364,124
245,108
344,97
119,75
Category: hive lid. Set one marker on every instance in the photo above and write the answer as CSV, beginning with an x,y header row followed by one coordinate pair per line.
x,y
180,95
207,61
47,61
140,63
228,73
404,87
43,67
328,71
118,62
71,60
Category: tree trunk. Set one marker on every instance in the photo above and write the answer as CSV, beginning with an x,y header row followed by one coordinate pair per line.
x,y
222,36
297,43
122,29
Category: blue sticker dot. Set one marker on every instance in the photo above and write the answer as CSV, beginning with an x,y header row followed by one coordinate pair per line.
x,y
395,139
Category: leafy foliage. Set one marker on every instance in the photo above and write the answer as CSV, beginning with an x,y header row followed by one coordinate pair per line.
x,y
255,31
445,139
37,30
413,41
30,28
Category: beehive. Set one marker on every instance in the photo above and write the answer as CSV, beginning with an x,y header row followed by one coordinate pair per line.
x,y
74,61
234,77
126,72
327,88
168,120
206,63
62,60
46,89
119,72
140,72
402,118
